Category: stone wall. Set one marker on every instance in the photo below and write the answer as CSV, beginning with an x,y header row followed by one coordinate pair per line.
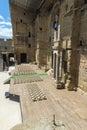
x,y
66,17
83,50
1,63
42,39
83,71
39,37
6,46
23,34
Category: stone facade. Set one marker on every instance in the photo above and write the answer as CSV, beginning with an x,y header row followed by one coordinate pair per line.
x,y
6,51
6,46
55,37
23,35
82,83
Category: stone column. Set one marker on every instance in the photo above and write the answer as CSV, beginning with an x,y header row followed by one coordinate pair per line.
x,y
42,39
74,69
54,65
60,65
59,33
74,60
54,36
59,71
68,62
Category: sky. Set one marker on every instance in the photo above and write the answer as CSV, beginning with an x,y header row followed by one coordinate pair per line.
x,y
5,20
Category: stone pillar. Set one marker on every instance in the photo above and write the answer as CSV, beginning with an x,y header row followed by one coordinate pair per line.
x,y
60,84
74,69
59,71
68,60
59,33
42,39
54,65
74,60
60,65
54,36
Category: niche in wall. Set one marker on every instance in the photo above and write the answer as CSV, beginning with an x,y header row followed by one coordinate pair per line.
x,y
29,45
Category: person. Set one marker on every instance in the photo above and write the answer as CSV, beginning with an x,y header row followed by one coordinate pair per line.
x,y
11,60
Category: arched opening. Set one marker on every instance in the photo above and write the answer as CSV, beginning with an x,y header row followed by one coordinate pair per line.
x,y
54,27
55,40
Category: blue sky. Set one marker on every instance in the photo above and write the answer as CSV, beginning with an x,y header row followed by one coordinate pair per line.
x,y
5,20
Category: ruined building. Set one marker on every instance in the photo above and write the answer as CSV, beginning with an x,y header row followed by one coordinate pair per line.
x,y
6,52
53,33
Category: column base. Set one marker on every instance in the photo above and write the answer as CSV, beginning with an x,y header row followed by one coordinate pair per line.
x,y
70,86
60,85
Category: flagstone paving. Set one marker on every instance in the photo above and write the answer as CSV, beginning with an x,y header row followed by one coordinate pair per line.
x,y
69,107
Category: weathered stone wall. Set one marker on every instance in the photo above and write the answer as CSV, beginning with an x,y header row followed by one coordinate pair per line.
x,y
1,63
66,17
42,39
39,35
83,28
6,51
6,46
83,50
83,71
23,34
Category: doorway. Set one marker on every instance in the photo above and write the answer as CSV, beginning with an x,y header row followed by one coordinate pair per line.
x,y
11,59
55,65
23,58
52,60
64,61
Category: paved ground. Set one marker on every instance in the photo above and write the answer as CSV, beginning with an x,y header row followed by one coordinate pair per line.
x,y
69,107
9,110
